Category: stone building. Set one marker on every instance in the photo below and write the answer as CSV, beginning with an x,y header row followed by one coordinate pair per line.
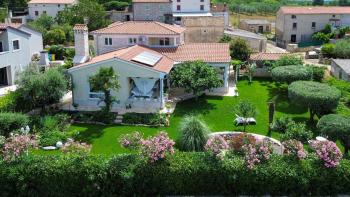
x,y
152,10
256,26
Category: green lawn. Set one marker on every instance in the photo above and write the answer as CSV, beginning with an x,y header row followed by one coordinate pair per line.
x,y
216,111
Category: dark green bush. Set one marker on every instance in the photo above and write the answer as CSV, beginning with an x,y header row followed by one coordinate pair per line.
x,y
115,5
288,74
8,102
317,72
281,123
147,119
50,138
297,131
10,122
181,174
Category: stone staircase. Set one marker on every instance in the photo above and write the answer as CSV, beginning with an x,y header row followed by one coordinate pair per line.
x,y
119,119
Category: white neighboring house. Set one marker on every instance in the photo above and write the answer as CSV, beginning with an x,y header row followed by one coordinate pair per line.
x,y
190,8
147,33
50,7
18,43
143,72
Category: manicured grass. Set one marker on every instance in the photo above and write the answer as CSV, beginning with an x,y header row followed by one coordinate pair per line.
x,y
216,111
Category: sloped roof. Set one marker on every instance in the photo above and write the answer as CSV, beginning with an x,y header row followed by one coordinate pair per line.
x,y
208,52
13,25
266,56
343,64
256,22
315,10
165,64
141,28
51,1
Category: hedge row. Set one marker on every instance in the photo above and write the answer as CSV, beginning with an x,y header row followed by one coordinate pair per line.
x,y
180,174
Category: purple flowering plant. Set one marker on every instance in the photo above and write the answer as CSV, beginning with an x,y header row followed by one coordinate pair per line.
x,y
328,152
131,141
216,144
155,148
295,148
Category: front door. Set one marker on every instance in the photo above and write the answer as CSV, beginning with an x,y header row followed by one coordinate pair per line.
x,y
293,38
3,77
1,47
261,29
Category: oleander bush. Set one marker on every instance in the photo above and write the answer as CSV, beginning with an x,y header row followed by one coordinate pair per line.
x,y
147,119
195,173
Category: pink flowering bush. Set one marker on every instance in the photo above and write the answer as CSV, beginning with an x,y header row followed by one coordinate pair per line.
x,y
73,147
16,145
216,144
328,152
155,148
131,141
256,153
295,148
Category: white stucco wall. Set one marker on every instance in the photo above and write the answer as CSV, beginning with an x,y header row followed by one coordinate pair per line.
x,y
50,8
35,40
191,5
81,86
15,60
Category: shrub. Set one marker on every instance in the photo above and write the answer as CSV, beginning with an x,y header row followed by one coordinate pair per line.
x,y
78,148
216,144
289,74
287,60
342,49
8,102
10,122
280,124
294,148
319,98
155,148
50,138
297,131
58,50
328,152
16,145
317,72
131,141
327,50
336,127
115,5
256,153
193,134
147,119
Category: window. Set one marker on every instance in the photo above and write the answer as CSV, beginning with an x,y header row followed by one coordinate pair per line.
x,y
313,25
59,5
178,0
132,40
95,94
36,13
293,16
15,44
294,25
202,7
1,47
293,38
44,12
147,7
333,15
164,41
108,41
202,1
178,7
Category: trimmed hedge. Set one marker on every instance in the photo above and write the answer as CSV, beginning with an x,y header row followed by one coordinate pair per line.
x,y
146,119
180,174
291,73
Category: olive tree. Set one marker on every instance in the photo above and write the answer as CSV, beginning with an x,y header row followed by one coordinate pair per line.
x,y
105,80
336,127
317,97
288,74
195,77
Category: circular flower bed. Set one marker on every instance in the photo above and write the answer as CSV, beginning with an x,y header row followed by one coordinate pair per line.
x,y
276,145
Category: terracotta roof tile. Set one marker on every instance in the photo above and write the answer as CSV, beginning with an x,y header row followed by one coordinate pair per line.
x,y
13,25
52,1
315,10
208,52
141,27
266,56
165,64
80,27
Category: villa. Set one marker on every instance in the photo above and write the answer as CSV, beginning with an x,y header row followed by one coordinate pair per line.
x,y
50,7
143,70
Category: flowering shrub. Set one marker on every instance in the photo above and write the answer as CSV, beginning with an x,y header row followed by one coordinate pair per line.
x,y
72,147
131,141
156,147
17,144
295,148
236,142
328,152
256,153
216,144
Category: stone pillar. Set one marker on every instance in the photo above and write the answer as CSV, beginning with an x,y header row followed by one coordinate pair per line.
x,y
161,92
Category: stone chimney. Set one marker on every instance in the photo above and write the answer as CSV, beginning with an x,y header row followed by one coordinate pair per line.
x,y
81,40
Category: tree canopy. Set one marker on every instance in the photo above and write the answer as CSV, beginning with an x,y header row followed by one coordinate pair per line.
x,y
288,74
240,49
336,127
195,77
318,97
